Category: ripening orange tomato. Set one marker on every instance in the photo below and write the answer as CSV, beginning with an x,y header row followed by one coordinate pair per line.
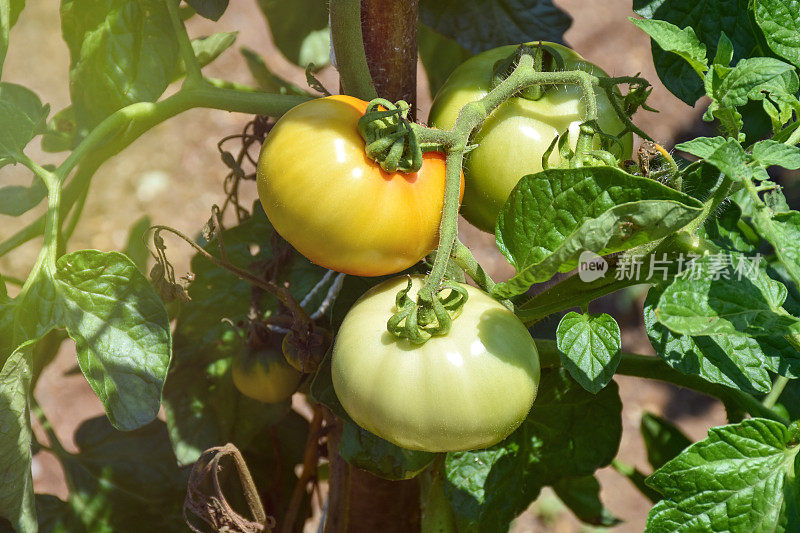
x,y
337,206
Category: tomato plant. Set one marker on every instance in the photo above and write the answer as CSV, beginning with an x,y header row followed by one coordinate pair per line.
x,y
444,398
464,390
513,140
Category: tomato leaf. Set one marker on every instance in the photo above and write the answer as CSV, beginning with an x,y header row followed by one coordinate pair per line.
x,y
264,77
552,217
740,478
300,30
439,55
122,52
582,496
590,348
683,42
204,408
210,9
22,117
782,231
769,152
207,49
9,13
118,482
483,24
121,331
380,457
662,440
704,17
569,433
704,302
16,481
17,199
780,22
728,359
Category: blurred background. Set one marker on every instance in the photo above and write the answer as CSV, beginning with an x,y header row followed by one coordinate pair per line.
x,y
174,174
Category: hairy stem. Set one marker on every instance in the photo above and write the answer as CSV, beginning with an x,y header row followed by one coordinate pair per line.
x,y
455,141
467,262
348,47
775,392
190,63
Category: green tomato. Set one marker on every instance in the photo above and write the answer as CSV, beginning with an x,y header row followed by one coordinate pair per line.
x,y
464,390
265,376
516,135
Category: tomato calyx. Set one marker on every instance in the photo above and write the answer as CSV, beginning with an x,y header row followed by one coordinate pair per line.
x,y
545,59
390,139
430,315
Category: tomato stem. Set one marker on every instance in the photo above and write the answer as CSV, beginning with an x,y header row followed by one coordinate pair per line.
x,y
463,257
437,514
347,42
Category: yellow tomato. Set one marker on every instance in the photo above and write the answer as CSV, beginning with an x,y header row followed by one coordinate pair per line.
x,y
337,206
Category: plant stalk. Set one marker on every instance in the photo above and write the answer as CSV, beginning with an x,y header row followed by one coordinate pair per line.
x,y
348,47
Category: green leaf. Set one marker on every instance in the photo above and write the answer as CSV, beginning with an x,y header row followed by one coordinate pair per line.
x,y
121,331
369,452
300,30
207,49
582,496
731,159
750,76
662,440
741,478
115,484
204,408
439,55
62,132
780,22
782,231
483,24
122,52
704,16
22,117
733,360
683,42
724,54
17,199
729,232
703,147
9,13
589,346
210,9
265,78
569,433
698,304
16,481
136,249
769,152
552,217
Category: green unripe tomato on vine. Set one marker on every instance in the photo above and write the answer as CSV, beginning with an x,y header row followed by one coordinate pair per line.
x,y
464,390
516,135
264,375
